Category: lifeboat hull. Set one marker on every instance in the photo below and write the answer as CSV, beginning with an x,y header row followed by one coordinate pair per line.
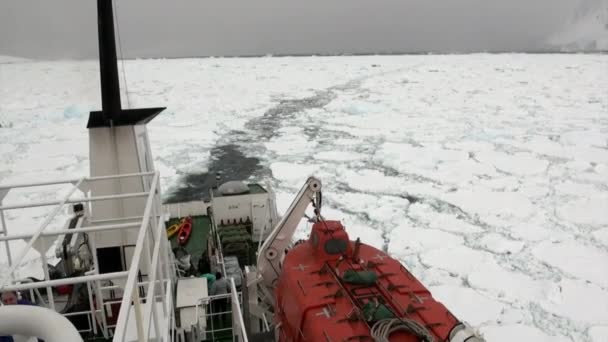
x,y
317,298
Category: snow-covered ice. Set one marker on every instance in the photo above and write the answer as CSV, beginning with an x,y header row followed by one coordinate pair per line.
x,y
485,174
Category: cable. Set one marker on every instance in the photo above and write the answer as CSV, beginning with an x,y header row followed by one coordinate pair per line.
x,y
382,330
122,60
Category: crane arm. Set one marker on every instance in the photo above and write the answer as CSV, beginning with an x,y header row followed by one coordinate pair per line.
x,y
272,251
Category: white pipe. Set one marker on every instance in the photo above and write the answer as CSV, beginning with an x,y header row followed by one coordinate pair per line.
x,y
98,296
45,269
6,245
66,281
87,229
237,315
121,325
37,321
124,175
73,180
128,218
76,200
31,185
152,270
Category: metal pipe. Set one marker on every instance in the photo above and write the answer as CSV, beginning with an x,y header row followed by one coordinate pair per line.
x,y
92,306
98,296
37,321
169,327
67,281
88,229
77,313
6,245
152,282
73,180
159,268
31,185
124,175
141,283
117,219
236,313
138,318
121,326
45,269
77,200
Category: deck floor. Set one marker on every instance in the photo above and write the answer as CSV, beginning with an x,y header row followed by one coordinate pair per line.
x,y
197,243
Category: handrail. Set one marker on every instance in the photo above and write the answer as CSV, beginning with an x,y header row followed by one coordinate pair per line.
x,y
89,229
76,200
168,307
45,223
67,281
121,326
158,282
150,309
237,314
73,180
219,255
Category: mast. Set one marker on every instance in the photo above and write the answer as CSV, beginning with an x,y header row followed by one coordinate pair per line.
x,y
108,67
112,113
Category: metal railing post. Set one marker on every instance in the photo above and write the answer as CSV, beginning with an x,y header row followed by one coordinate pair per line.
x,y
6,244
159,252
98,295
130,285
150,298
45,269
237,315
138,319
92,307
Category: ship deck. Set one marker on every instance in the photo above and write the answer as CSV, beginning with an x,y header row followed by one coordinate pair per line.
x,y
197,243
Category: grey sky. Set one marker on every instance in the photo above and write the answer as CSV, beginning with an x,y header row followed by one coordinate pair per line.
x,y
181,28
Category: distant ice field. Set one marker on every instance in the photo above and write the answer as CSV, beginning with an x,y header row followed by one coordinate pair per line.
x,y
486,175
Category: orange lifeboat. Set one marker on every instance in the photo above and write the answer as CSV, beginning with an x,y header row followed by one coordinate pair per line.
x,y
334,289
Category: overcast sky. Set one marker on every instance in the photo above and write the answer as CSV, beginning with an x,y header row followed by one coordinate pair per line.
x,y
184,28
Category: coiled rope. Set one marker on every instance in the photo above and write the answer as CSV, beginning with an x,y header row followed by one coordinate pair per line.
x,y
382,329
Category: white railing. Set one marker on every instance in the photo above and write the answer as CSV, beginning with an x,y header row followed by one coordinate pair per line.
x,y
153,314
210,331
238,325
219,254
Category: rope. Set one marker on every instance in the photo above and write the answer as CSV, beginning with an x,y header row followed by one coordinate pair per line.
x,y
382,330
122,60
